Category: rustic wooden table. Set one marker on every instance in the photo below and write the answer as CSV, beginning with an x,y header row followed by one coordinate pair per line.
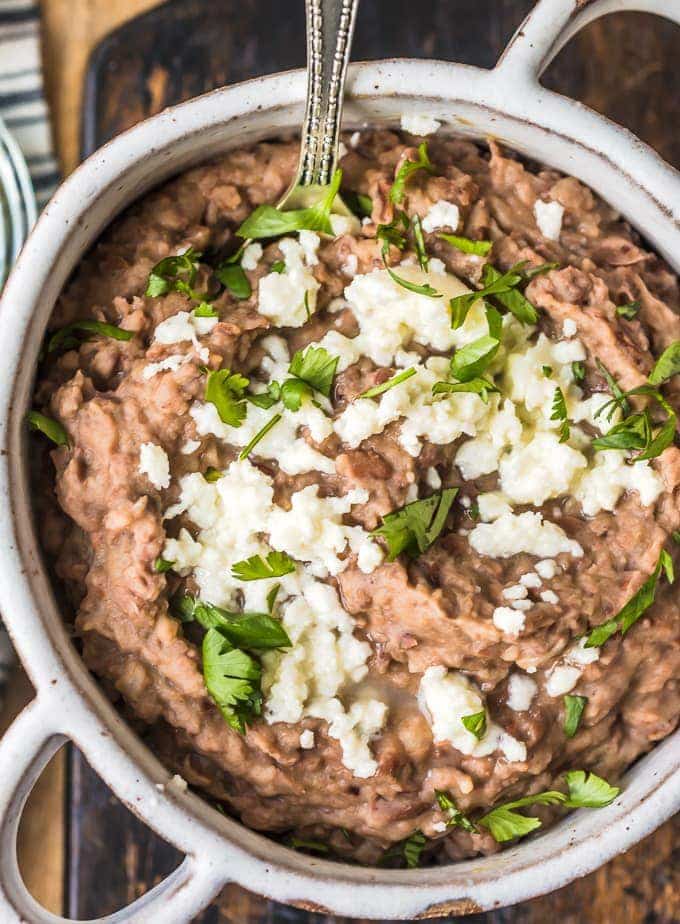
x,y
81,852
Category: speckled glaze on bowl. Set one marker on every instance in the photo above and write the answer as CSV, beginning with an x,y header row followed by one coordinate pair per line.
x,y
506,102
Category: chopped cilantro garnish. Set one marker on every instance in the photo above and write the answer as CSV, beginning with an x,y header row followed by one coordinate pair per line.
x,y
547,371
68,336
315,366
421,252
256,631
629,310
475,723
407,169
481,387
226,390
260,435
48,426
413,528
638,604
268,221
573,710
424,289
233,278
409,849
161,565
278,266
173,273
232,678
390,383
359,203
472,360
667,365
465,245
301,843
559,412
212,475
257,568
578,370
455,818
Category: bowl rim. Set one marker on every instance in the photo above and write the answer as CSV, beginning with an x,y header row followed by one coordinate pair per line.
x,y
73,704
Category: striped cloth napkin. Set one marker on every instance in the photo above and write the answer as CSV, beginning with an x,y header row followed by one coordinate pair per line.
x,y
22,104
24,112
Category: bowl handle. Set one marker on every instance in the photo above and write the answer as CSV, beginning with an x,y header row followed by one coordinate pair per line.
x,y
25,749
552,23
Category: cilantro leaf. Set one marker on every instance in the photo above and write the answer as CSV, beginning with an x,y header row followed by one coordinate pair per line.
x,y
494,284
259,631
161,565
233,277
638,604
205,310
66,337
315,366
300,843
573,710
533,271
293,392
269,221
390,383
475,724
424,289
465,245
456,819
359,203
257,568
587,790
481,387
260,435
226,390
393,233
278,266
232,678
414,528
407,169
634,432
212,475
667,365
48,426
559,412
613,388
470,361
421,252
266,399
166,274
628,311
578,370
510,296
505,823
271,598
410,849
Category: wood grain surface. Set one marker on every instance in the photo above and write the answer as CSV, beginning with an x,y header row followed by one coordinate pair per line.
x,y
623,66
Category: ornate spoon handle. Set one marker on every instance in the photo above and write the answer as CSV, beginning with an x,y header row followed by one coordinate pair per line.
x,y
330,24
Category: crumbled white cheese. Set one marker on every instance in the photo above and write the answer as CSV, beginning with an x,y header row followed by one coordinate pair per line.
x,y
344,224
307,739
562,679
390,317
421,413
154,463
252,254
313,531
580,655
342,150
433,479
509,620
527,532
531,579
169,364
515,592
354,139
521,691
464,501
523,605
282,296
351,265
492,505
442,214
548,217
541,469
481,455
416,123
610,476
546,568
445,697
439,827
569,327
184,325
190,446
549,596
306,679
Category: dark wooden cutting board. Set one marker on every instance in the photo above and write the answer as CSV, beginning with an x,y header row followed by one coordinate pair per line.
x,y
623,66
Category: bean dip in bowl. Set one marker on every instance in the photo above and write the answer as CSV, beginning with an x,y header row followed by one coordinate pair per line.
x,y
368,523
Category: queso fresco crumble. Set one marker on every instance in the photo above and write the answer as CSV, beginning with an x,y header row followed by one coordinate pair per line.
x,y
368,513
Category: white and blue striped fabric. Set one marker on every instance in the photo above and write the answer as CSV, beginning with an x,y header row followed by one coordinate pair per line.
x,y
25,115
22,104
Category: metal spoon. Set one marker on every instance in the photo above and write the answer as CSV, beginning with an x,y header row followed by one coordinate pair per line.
x,y
330,25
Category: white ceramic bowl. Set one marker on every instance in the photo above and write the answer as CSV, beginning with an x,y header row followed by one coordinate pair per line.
x,y
507,103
